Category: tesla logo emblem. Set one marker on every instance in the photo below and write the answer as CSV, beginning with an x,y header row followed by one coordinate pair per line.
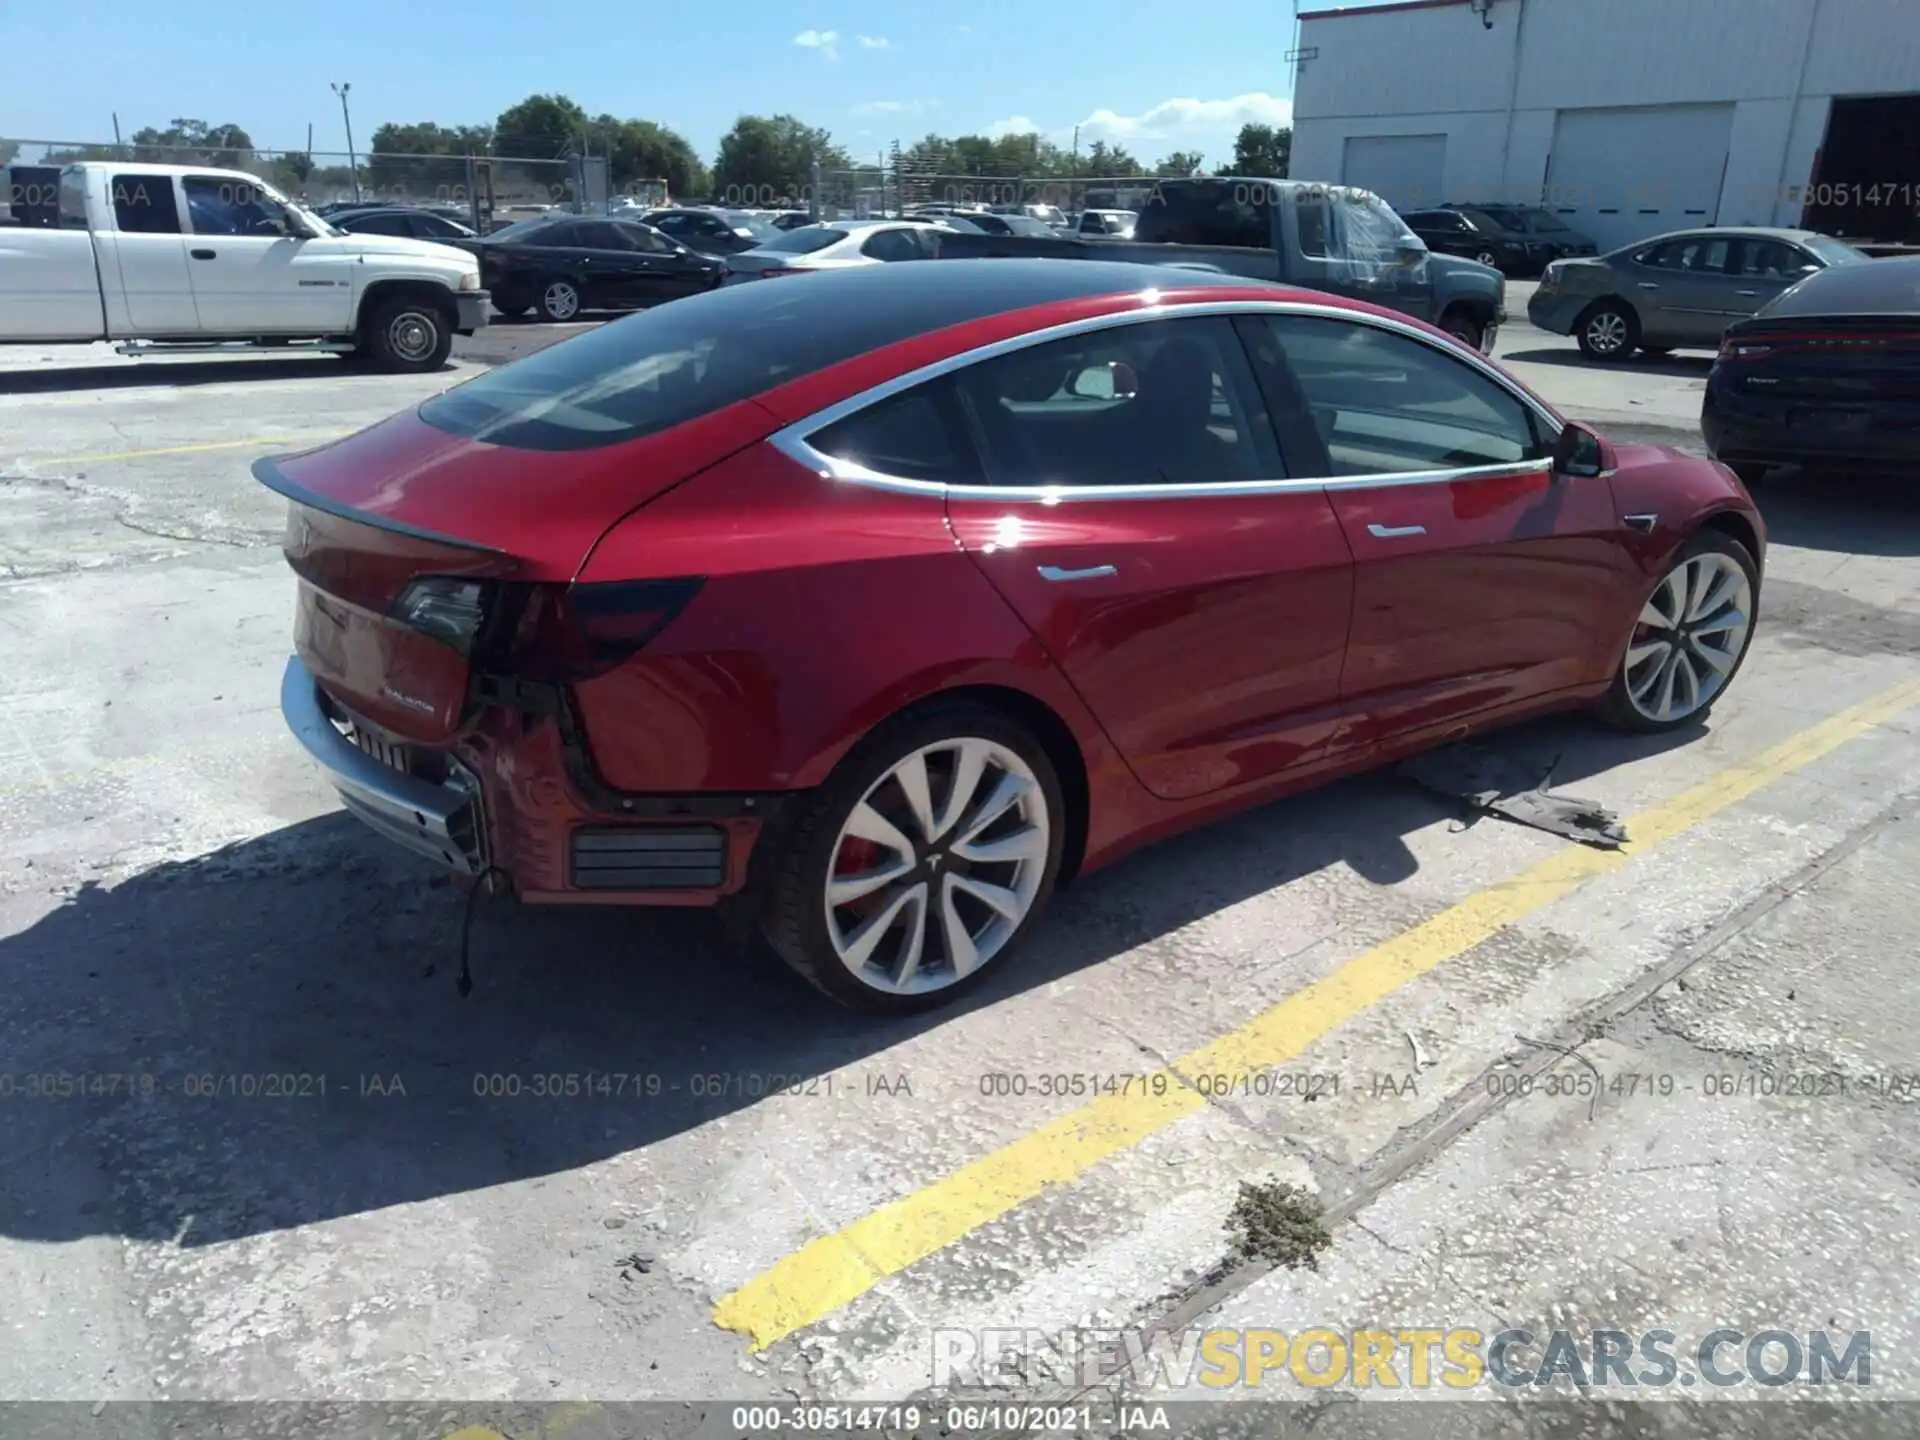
x,y
933,860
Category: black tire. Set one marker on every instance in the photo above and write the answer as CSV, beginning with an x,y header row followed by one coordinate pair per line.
x,y
795,919
1618,710
406,335
1608,330
551,301
1487,257
1464,328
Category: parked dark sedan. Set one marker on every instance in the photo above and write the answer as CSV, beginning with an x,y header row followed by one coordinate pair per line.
x,y
1676,290
1477,236
408,222
560,265
712,232
1543,229
1826,376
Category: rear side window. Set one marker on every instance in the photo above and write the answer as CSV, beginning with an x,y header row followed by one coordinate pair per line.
x,y
915,436
893,245
144,205
1211,212
1160,403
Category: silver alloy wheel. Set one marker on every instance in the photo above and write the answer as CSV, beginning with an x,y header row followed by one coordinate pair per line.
x,y
411,335
1607,332
562,300
937,865
1487,257
1690,635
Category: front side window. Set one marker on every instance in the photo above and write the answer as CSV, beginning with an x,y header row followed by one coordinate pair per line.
x,y
1385,403
1371,233
1169,402
1704,256
221,205
144,205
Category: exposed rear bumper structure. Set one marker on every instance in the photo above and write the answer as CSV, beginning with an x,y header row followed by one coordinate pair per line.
x,y
437,820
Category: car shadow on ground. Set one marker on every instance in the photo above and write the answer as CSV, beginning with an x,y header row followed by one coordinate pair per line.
x,y
1850,512
1681,365
270,1036
172,372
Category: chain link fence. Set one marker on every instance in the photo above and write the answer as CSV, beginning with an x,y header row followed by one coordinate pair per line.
x,y
488,190
874,191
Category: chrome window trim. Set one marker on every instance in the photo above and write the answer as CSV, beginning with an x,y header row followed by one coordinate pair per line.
x,y
791,440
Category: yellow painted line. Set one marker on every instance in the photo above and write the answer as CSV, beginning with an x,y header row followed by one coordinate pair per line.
x,y
829,1272
112,455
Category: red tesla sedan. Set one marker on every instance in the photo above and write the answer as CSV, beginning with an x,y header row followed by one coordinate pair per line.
x,y
877,606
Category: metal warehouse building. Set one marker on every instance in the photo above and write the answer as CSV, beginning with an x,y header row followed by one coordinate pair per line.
x,y
1627,117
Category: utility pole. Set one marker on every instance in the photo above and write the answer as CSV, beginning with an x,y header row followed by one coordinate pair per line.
x,y
353,164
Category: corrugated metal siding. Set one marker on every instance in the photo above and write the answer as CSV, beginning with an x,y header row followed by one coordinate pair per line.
x,y
1580,53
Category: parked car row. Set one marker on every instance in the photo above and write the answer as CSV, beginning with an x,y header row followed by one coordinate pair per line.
x,y
1516,239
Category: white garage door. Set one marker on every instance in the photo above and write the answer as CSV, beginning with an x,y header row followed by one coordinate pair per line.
x,y
1622,175
1406,171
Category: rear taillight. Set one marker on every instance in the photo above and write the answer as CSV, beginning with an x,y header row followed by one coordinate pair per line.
x,y
1735,350
449,610
561,633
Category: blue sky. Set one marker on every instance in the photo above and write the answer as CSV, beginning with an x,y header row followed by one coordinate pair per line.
x,y
1152,77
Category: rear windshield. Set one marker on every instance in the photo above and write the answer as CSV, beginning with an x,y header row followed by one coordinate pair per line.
x,y
803,240
1832,251
1884,287
1209,212
756,225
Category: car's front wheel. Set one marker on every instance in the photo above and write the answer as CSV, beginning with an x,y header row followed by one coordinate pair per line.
x,y
1608,331
1689,639
921,862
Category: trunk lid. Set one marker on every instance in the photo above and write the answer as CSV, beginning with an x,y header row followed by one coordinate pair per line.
x,y
409,542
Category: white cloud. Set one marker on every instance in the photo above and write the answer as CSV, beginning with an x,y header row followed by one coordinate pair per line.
x,y
895,107
874,42
827,42
1174,122
1208,126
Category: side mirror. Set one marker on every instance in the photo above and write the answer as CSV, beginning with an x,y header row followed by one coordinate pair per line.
x,y
1578,453
1410,254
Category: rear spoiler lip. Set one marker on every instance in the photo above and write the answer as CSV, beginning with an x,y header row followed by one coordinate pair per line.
x,y
268,472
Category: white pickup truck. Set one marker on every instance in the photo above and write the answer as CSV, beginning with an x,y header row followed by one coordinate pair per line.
x,y
170,258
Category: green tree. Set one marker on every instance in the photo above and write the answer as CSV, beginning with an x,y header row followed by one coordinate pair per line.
x,y
1181,163
1103,160
194,142
8,149
428,138
764,160
540,127
641,150
1262,151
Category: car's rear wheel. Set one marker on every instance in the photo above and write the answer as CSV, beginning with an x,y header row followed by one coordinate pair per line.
x,y
921,862
1689,639
1608,331
559,301
1487,257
